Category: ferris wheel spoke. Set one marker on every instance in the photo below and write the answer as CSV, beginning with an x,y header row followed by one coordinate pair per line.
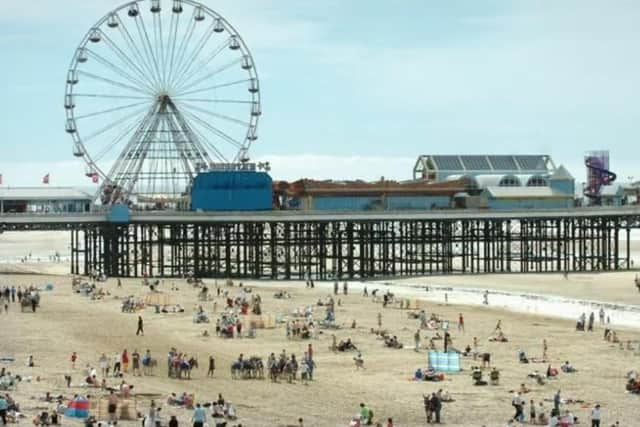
x,y
214,101
216,115
110,110
102,95
215,130
146,41
186,39
210,75
196,51
133,47
175,40
112,125
101,154
218,86
123,57
204,63
159,43
120,71
111,82
216,152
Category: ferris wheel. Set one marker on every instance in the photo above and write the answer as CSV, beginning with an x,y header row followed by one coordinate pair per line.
x,y
158,91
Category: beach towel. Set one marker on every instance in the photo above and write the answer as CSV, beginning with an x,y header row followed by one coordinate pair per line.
x,y
444,362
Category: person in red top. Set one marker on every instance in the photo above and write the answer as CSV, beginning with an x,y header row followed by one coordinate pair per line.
x,y
125,361
310,351
460,322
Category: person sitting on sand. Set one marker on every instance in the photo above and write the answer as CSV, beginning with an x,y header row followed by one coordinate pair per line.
x,y
614,337
524,389
499,338
467,351
418,375
537,376
522,357
567,367
551,372
359,361
430,374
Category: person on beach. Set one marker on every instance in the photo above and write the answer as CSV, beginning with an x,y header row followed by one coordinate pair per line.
x,y
112,405
74,357
199,416
125,361
601,315
485,298
416,339
460,322
498,327
140,329
545,347
596,416
379,320
135,360
212,366
345,288
104,365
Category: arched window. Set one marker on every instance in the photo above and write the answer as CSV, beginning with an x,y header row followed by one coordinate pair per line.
x,y
509,181
537,181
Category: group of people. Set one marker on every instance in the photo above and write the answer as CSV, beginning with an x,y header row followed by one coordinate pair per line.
x,y
11,294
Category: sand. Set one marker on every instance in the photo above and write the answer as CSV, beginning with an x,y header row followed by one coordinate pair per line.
x,y
69,322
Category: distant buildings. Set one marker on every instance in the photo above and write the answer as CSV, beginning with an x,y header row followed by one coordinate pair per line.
x,y
44,199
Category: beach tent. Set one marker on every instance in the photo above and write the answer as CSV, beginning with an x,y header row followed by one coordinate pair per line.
x,y
444,362
78,408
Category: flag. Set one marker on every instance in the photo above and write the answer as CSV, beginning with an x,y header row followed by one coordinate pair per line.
x,y
45,179
95,178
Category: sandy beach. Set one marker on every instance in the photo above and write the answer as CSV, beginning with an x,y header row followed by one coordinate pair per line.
x,y
70,322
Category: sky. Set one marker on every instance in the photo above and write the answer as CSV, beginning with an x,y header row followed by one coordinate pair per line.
x,y
359,89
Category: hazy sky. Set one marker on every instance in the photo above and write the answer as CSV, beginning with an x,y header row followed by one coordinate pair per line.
x,y
360,88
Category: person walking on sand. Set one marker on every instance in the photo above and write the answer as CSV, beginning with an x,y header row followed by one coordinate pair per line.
x,y
460,322
498,327
545,347
591,320
140,327
74,357
345,288
379,320
485,298
601,315
416,339
212,366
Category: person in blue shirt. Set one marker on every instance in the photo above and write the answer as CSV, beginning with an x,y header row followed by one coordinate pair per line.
x,y
199,416
4,405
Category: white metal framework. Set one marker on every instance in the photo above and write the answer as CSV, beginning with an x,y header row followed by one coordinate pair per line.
x,y
157,91
439,167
